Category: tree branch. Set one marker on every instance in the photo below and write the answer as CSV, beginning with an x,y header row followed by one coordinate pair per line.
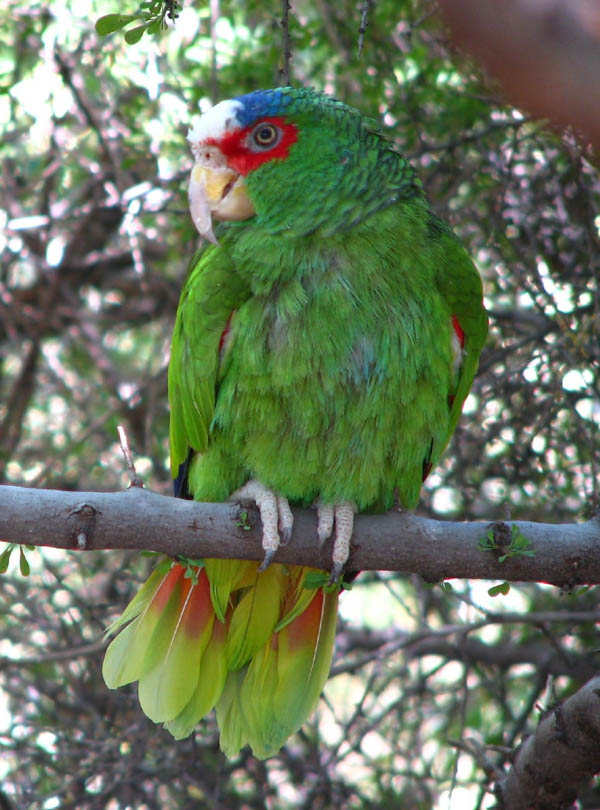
x,y
453,642
561,755
564,554
285,43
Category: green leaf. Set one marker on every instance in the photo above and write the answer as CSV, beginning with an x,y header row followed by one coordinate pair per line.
x,y
155,27
113,22
164,566
320,579
5,558
135,34
315,579
23,564
503,588
487,543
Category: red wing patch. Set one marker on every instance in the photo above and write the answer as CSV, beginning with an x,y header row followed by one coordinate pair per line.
x,y
458,331
458,345
225,333
226,338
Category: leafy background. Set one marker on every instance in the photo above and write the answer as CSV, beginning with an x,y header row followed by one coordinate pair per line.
x,y
432,686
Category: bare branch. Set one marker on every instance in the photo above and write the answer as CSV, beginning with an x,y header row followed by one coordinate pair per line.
x,y
364,22
564,554
453,642
555,762
287,51
134,479
66,654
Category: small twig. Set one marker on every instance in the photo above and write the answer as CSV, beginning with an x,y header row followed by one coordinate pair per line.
x,y
55,655
214,80
74,82
287,53
364,22
478,752
134,479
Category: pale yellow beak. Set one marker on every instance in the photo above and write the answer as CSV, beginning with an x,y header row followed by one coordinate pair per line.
x,y
217,192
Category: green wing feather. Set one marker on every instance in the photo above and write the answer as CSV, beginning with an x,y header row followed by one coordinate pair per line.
x,y
285,680
209,688
125,659
459,282
255,615
212,292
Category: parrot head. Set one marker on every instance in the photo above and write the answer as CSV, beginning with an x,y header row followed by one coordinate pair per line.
x,y
294,160
229,141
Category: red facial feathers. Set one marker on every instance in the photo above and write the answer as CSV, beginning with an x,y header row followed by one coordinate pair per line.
x,y
243,156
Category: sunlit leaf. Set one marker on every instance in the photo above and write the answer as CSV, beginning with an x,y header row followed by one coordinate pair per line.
x,y
135,34
113,22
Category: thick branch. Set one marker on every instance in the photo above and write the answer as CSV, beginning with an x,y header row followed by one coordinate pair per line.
x,y
567,554
563,753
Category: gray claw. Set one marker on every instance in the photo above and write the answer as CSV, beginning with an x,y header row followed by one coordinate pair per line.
x,y
336,573
268,559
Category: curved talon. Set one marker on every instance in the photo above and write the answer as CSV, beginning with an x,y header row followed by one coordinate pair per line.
x,y
325,515
268,559
336,573
342,514
286,520
275,514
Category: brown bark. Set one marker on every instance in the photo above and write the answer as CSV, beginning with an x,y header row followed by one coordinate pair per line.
x,y
563,554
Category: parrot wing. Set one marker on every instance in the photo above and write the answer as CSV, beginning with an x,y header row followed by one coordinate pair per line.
x,y
211,294
460,284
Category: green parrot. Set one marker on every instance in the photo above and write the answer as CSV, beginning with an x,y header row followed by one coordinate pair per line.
x,y
325,342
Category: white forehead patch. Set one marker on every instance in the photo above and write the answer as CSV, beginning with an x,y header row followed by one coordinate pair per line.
x,y
216,122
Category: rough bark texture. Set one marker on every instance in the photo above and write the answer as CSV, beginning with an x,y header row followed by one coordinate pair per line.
x,y
563,554
559,758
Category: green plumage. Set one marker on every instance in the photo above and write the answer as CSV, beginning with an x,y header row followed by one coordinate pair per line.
x,y
340,378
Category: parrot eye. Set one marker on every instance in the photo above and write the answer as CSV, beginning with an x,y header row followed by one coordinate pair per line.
x,y
266,135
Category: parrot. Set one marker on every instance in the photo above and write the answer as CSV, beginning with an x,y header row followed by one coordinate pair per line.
x,y
326,338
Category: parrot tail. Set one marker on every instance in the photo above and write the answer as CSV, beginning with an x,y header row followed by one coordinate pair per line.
x,y
220,633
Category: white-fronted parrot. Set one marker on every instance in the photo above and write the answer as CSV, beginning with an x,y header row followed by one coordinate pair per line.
x,y
325,342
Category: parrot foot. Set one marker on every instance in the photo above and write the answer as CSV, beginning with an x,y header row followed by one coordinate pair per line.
x,y
275,514
342,514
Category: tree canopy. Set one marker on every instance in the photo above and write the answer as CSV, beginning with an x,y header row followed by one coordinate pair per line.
x,y
434,684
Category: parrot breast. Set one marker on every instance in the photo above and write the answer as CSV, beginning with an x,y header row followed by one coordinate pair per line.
x,y
335,374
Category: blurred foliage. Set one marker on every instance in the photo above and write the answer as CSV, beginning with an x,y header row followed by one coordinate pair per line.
x,y
94,240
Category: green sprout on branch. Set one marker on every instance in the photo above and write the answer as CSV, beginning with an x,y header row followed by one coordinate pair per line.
x,y
242,521
314,580
505,543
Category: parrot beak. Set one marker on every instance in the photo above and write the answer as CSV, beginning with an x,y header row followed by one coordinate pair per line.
x,y
219,192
